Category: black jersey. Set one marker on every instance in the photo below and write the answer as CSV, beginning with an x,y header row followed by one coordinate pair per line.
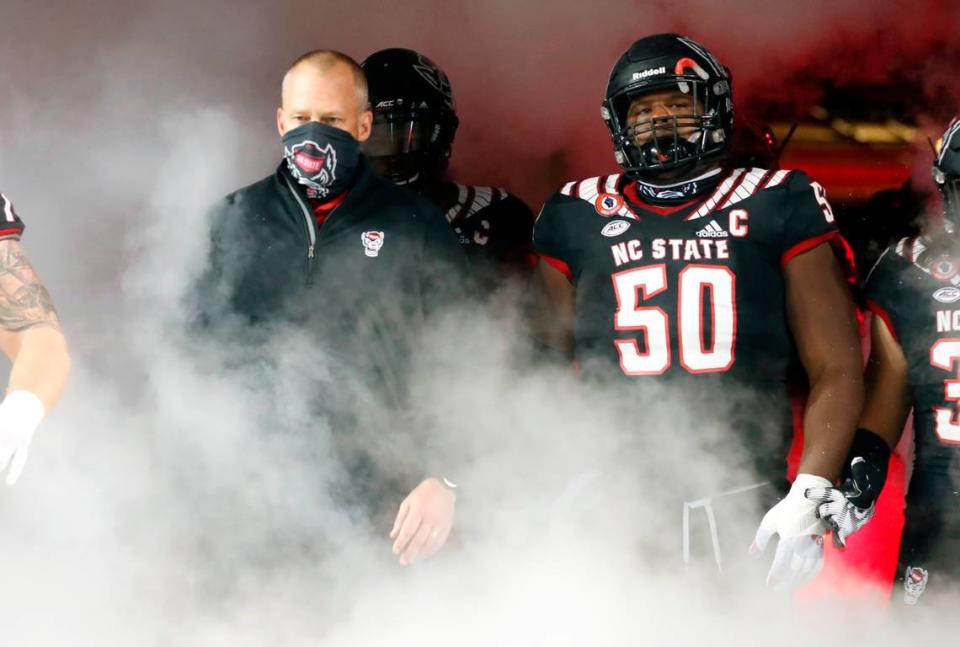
x,y
915,290
690,290
11,227
494,227
693,293
917,294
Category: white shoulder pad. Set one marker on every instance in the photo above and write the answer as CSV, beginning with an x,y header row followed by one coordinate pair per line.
x,y
910,248
471,199
591,188
741,184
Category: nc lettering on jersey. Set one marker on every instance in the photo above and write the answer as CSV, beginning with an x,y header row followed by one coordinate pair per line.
x,y
948,320
710,244
677,249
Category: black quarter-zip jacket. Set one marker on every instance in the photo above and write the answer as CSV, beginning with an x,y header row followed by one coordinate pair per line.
x,y
365,284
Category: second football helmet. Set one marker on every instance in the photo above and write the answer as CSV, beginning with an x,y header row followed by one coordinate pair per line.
x,y
946,172
414,116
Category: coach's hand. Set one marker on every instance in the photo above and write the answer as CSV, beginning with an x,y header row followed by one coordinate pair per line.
x,y
424,521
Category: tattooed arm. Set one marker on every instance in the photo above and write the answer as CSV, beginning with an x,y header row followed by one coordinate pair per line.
x,y
30,336
30,332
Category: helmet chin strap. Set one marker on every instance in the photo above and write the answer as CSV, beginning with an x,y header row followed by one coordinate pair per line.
x,y
664,192
409,180
703,176
950,199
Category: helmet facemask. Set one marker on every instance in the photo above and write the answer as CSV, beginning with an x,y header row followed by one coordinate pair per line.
x,y
414,117
404,146
946,173
649,144
949,186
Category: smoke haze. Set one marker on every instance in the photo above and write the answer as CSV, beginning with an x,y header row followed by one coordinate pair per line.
x,y
154,511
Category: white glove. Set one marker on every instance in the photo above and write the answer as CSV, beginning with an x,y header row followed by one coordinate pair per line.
x,y
799,555
20,414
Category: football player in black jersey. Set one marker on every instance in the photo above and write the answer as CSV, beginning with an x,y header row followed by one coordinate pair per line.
x,y
914,292
414,124
720,280
30,336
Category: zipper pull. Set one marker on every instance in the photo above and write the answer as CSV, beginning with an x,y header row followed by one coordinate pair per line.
x,y
310,252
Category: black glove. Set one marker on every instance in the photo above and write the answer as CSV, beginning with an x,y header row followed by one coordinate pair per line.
x,y
849,508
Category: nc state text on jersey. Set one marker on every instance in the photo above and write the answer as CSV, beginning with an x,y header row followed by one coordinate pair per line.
x,y
678,249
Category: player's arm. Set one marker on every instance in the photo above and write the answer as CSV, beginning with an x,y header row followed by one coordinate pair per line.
x,y
511,235
31,337
823,321
552,305
848,508
887,401
553,312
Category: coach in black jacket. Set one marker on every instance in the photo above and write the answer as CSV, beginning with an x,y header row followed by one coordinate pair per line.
x,y
326,244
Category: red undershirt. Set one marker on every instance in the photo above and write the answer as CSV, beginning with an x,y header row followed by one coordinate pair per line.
x,y
321,210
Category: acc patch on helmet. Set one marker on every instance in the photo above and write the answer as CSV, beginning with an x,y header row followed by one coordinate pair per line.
x,y
608,204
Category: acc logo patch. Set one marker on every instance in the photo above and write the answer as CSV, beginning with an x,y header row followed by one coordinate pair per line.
x,y
943,269
608,204
947,295
372,242
615,228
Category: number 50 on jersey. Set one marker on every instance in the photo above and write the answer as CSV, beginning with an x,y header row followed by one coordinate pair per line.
x,y
698,285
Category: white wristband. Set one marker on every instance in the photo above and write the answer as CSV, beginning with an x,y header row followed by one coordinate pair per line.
x,y
24,409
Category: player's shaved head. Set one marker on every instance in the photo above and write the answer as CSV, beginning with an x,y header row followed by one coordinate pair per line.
x,y
326,61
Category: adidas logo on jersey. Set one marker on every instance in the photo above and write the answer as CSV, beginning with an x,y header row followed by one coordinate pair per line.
x,y
712,230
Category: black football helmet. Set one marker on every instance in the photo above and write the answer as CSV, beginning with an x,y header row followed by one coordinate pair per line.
x,y
946,172
414,117
688,141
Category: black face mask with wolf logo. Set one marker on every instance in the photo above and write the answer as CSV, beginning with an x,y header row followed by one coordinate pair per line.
x,y
322,158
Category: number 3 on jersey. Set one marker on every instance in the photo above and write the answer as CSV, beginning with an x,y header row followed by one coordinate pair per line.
x,y
639,284
945,353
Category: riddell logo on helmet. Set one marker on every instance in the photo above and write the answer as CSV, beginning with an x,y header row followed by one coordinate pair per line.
x,y
637,76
